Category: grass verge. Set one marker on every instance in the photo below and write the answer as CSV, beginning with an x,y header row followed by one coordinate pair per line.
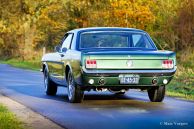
x,y
182,85
32,65
180,95
8,120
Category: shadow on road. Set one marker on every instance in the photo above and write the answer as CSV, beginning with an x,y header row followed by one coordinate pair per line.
x,y
110,101
105,100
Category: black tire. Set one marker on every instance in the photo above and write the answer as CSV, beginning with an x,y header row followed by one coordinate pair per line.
x,y
75,93
50,86
156,94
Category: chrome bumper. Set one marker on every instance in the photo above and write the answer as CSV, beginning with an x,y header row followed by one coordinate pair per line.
x,y
166,72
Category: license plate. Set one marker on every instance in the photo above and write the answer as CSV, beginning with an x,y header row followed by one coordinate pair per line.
x,y
129,79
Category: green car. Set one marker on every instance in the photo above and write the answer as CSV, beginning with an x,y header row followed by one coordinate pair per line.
x,y
114,59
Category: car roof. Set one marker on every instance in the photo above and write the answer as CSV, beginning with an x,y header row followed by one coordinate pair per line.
x,y
105,29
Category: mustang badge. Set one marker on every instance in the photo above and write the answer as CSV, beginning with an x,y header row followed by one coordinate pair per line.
x,y
129,63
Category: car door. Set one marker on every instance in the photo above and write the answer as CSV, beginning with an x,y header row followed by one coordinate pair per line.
x,y
56,65
65,47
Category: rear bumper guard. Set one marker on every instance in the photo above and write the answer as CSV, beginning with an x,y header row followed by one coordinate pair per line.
x,y
167,72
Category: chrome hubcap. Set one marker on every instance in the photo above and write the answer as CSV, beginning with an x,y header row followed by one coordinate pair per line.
x,y
71,87
45,81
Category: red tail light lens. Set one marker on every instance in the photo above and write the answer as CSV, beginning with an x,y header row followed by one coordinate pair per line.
x,y
167,64
91,64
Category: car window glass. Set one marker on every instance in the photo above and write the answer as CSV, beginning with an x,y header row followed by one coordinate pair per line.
x,y
67,41
116,39
104,40
140,40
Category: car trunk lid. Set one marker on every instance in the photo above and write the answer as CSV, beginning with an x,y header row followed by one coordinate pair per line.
x,y
127,59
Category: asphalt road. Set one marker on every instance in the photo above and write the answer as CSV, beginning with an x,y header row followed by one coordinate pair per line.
x,y
99,110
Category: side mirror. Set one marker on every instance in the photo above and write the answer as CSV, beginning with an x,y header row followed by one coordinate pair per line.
x,y
64,49
57,48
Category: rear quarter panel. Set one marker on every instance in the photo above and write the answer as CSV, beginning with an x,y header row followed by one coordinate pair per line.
x,y
74,63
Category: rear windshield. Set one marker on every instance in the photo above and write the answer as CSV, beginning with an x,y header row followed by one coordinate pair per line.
x,y
114,39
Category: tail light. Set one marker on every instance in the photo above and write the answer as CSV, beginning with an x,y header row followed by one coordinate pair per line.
x,y
167,64
91,64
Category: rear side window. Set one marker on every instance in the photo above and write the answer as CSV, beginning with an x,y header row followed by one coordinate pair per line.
x,y
67,41
139,40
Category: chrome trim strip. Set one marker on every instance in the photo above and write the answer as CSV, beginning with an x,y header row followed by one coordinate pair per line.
x,y
127,71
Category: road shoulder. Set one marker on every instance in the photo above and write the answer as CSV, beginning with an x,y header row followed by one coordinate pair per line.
x,y
31,119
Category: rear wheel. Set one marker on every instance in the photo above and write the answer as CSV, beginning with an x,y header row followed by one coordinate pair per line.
x,y
50,86
156,94
75,94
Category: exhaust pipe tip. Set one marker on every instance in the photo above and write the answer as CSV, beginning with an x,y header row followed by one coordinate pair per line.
x,y
154,81
101,81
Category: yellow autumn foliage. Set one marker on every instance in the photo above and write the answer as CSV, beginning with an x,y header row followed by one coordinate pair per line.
x,y
26,26
132,13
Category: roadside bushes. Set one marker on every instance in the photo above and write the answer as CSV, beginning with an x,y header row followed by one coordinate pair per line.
x,y
27,26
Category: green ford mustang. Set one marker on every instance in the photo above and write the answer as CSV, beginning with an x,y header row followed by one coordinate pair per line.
x,y
114,59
